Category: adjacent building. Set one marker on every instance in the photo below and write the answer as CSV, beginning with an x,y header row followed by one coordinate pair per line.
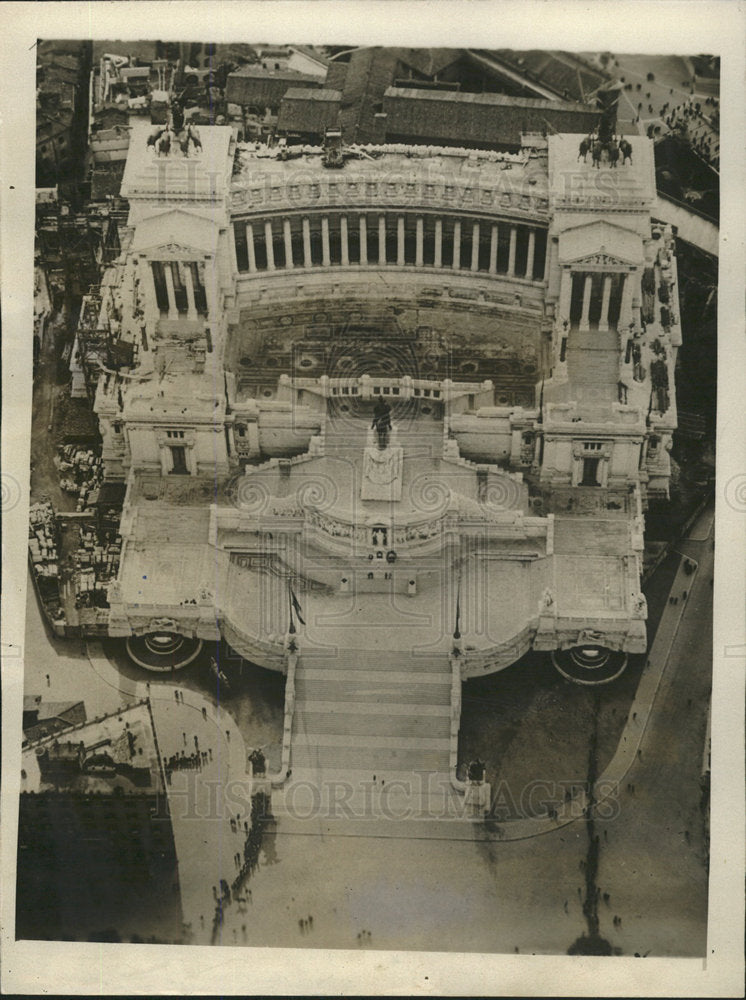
x,y
96,856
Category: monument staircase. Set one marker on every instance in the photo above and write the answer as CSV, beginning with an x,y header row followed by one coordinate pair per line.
x,y
371,744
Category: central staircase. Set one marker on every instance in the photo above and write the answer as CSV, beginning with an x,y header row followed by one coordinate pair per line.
x,y
371,740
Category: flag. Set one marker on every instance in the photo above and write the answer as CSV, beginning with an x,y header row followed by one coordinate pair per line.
x,y
296,605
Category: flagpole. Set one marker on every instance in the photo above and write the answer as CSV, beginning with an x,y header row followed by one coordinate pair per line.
x,y
291,627
457,631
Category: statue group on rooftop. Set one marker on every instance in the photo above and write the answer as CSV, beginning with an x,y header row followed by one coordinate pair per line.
x,y
177,134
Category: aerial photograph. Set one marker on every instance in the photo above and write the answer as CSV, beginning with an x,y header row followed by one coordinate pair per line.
x,y
372,495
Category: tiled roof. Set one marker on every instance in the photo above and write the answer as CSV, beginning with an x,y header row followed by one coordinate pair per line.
x,y
492,119
304,110
559,71
256,85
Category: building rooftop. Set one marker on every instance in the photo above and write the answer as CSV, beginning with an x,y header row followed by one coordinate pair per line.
x,y
115,752
494,119
395,172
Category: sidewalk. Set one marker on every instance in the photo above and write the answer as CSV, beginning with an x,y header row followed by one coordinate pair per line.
x,y
201,802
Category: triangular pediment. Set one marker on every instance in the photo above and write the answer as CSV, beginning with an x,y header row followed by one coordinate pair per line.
x,y
176,232
601,244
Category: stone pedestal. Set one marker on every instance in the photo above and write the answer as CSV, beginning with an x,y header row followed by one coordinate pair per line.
x,y
382,469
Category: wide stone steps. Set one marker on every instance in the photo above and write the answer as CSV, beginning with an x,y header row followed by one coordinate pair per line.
x,y
356,724
358,661
326,685
375,760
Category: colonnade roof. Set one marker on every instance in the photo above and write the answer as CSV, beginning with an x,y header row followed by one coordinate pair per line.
x,y
420,175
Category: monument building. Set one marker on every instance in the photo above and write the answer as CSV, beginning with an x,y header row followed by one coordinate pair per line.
x,y
392,417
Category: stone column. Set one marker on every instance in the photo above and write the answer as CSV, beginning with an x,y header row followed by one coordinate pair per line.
x,y
584,318
420,250
363,240
288,240
306,242
234,254
438,259
344,241
531,252
493,250
270,245
603,323
625,308
189,285
511,251
325,254
251,253
173,312
400,241
456,263
565,296
151,297
381,239
475,247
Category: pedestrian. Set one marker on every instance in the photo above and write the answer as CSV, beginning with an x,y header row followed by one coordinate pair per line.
x,y
184,738
48,681
634,716
639,753
209,750
176,694
300,925
204,712
228,735
565,907
310,921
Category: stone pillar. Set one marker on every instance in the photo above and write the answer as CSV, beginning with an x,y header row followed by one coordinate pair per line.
x,y
288,239
493,251
234,254
250,247
400,241
625,308
381,239
456,263
475,247
363,240
603,323
420,250
344,241
325,254
173,312
189,285
151,296
438,260
270,245
511,251
306,242
531,252
565,296
587,287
